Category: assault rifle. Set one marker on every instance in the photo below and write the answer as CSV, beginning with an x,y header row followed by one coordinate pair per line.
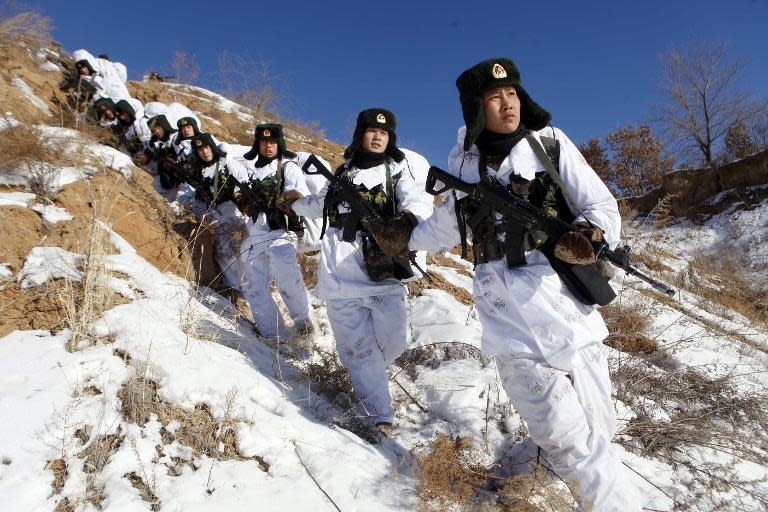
x,y
342,188
497,198
360,212
185,175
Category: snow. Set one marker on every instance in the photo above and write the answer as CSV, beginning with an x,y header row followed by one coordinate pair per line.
x,y
16,198
24,88
52,214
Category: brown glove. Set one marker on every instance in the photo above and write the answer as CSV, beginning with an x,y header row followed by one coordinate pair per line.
x,y
393,237
141,158
576,247
286,200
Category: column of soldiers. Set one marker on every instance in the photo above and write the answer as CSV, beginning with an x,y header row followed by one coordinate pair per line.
x,y
545,335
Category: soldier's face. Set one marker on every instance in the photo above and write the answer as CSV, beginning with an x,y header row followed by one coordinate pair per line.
x,y
125,117
187,130
502,110
83,70
205,153
106,112
375,140
268,148
158,131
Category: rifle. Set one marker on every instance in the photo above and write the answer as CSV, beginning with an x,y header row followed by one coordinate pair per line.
x,y
342,188
497,198
360,212
185,175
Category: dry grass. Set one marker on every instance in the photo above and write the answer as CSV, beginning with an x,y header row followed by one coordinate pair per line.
x,y
197,429
446,476
26,156
59,469
628,327
723,284
84,301
19,26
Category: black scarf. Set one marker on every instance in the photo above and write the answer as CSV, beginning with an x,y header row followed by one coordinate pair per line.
x,y
263,161
496,146
366,159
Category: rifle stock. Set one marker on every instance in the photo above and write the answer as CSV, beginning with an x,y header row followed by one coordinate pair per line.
x,y
529,216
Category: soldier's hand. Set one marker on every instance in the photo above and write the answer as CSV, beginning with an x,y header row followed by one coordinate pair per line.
x,y
393,237
286,200
578,246
140,158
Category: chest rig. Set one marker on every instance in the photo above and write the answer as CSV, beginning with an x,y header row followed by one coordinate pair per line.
x,y
265,193
220,185
545,191
381,199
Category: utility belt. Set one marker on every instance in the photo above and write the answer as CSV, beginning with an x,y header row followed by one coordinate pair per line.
x,y
378,265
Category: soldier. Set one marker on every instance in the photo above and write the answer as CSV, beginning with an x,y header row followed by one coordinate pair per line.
x,y
269,251
545,335
363,289
214,169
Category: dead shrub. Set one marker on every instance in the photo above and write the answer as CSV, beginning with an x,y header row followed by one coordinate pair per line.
x,y
26,156
329,378
628,328
435,354
446,474
524,493
20,26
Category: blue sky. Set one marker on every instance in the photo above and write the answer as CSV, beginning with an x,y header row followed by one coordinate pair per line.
x,y
595,67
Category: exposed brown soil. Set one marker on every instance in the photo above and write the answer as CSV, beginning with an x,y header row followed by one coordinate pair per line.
x,y
415,288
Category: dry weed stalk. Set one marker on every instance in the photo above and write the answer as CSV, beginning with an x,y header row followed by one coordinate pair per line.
x,y
84,301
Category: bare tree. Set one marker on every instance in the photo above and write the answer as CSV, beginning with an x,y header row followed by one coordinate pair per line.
x,y
185,68
702,101
247,81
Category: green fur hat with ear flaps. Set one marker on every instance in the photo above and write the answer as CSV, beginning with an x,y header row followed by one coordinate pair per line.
x,y
86,64
161,121
269,131
375,118
205,139
187,121
487,75
124,106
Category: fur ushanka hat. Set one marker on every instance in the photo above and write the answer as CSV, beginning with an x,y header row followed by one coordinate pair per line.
x,y
487,75
205,139
375,118
269,131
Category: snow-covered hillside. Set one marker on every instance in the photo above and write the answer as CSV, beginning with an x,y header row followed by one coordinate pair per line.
x,y
166,400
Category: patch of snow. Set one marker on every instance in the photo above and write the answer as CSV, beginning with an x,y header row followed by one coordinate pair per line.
x,y
16,198
24,88
5,271
44,263
8,120
52,214
50,66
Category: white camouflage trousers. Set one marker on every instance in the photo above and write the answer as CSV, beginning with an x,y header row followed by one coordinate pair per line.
x,y
370,332
570,415
277,263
